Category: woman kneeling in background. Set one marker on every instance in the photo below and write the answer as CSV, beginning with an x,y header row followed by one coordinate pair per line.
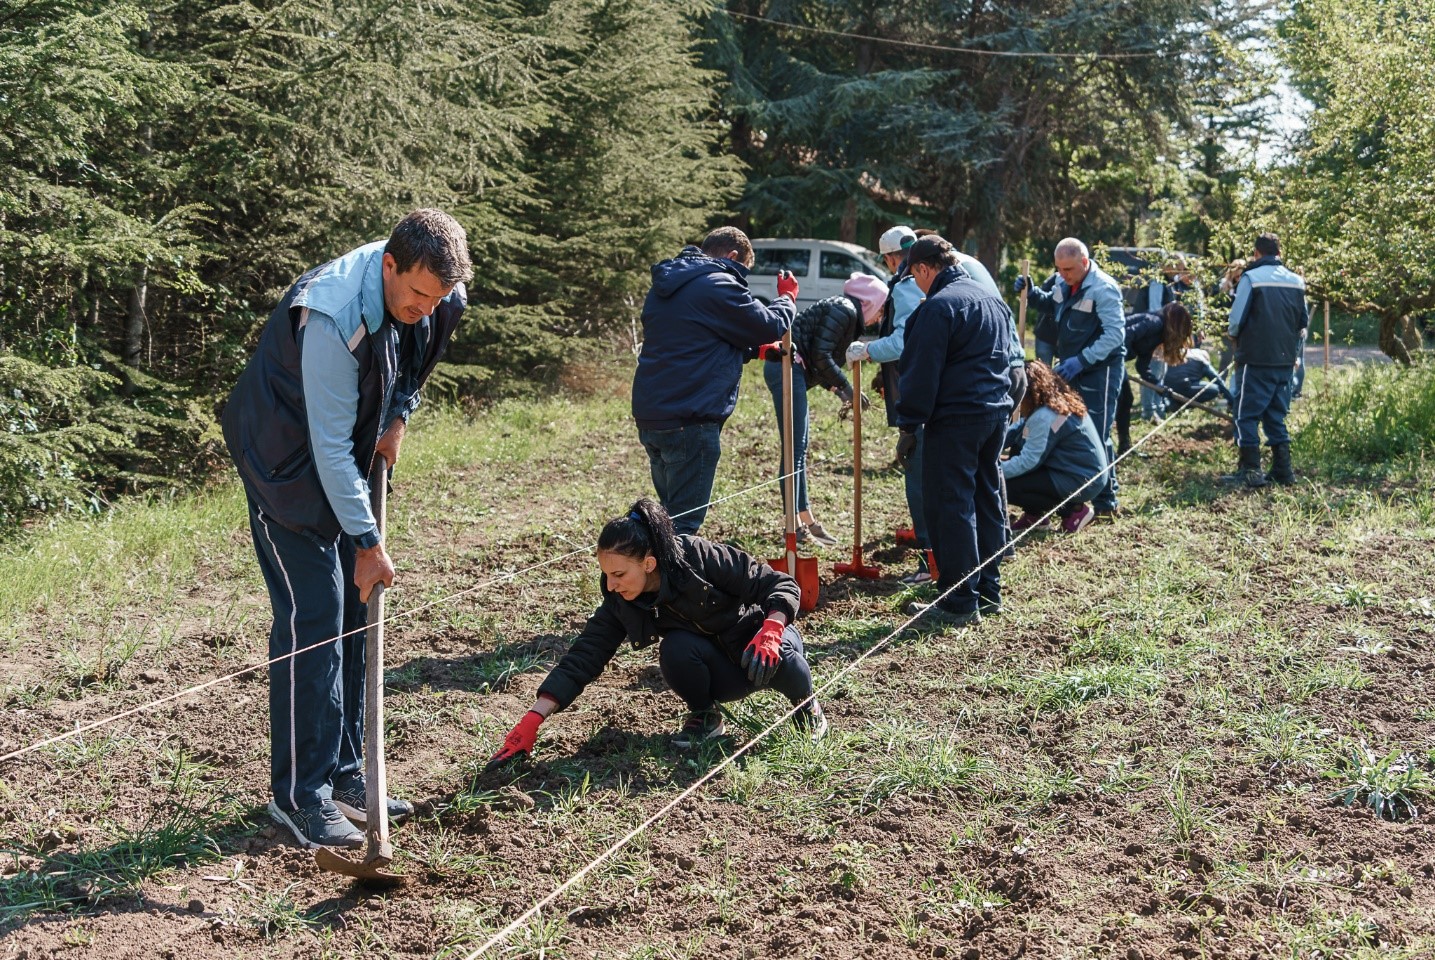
x,y
1059,453
722,621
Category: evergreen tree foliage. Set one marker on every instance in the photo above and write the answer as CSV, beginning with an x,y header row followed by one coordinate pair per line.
x,y
984,148
170,168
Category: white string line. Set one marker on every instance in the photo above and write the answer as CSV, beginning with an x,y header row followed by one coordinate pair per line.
x,y
744,748
976,51
503,578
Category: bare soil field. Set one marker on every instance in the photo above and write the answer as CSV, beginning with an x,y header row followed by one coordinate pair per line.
x,y
1202,730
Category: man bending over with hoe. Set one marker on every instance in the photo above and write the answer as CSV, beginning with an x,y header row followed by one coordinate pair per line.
x,y
329,389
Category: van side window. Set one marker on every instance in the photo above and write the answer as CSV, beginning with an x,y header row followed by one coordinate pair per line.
x,y
839,266
768,260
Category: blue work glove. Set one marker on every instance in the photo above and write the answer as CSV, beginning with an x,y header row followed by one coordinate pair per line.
x,y
1021,283
1070,368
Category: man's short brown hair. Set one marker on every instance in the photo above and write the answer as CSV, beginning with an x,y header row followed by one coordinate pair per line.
x,y
724,240
435,241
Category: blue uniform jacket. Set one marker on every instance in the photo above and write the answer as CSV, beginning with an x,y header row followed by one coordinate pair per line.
x,y
1268,314
1090,321
957,359
699,320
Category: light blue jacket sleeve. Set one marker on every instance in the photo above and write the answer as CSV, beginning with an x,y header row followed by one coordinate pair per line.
x,y
905,297
1037,433
331,400
1111,311
1241,304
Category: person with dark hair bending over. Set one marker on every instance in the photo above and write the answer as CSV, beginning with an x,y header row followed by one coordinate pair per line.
x,y
722,621
1058,454
1167,330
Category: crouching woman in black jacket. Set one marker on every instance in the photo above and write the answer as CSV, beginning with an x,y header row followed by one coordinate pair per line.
x,y
722,622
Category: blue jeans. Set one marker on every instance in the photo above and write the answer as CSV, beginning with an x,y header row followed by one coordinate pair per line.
x,y
1153,405
772,373
683,464
965,513
1263,396
316,700
1100,389
702,674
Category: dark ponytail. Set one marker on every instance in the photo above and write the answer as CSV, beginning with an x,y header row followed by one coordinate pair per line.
x,y
647,530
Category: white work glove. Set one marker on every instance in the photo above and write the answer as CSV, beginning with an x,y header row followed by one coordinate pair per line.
x,y
856,350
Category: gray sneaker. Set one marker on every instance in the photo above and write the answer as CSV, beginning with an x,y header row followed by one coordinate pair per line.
x,y
935,616
699,727
351,797
321,825
820,536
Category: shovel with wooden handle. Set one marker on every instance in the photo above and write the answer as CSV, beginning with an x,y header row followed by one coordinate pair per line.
x,y
857,568
378,852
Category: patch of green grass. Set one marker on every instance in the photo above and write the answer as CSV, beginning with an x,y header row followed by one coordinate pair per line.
x,y
1379,418
1391,785
1065,689
1282,739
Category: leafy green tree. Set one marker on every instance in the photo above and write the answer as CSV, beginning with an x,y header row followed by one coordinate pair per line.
x,y
1354,205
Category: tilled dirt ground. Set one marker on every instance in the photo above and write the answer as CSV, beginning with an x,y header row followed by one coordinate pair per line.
x,y
1136,760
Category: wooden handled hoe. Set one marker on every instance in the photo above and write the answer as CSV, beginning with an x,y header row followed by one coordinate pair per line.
x,y
378,851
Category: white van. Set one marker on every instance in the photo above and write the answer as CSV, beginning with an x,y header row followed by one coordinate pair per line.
x,y
820,266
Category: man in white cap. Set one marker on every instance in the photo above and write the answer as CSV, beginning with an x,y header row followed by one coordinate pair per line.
x,y
887,349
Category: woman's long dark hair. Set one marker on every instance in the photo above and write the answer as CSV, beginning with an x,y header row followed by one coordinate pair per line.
x,y
647,530
1177,332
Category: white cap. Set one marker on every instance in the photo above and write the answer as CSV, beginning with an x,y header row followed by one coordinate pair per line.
x,y
896,240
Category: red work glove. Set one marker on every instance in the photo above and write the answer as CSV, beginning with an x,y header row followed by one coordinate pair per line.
x,y
787,285
763,655
518,743
771,351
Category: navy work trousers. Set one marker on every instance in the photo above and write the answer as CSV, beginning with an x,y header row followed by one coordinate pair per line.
x,y
683,464
1100,388
702,674
316,699
961,479
1263,396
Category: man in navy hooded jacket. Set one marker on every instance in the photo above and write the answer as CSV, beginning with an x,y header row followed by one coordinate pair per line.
x,y
699,323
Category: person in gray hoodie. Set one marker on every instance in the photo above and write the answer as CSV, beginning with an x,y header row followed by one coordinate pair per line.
x,y
1059,454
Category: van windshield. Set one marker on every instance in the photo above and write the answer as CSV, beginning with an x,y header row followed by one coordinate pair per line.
x,y
768,260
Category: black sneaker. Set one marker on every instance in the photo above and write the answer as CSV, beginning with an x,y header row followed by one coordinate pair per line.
x,y
989,606
935,616
811,721
321,825
351,797
700,726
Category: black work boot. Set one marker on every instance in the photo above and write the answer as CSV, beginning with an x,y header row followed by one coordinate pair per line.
x,y
1281,470
1248,470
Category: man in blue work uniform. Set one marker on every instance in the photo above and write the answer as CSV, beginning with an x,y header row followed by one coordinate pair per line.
x,y
1268,318
955,384
330,388
700,322
1090,344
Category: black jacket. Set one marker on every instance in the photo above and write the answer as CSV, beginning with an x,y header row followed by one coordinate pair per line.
x,y
821,334
699,320
718,591
956,358
1144,333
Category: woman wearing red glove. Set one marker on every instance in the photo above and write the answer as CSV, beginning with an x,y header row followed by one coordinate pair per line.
x,y
721,619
